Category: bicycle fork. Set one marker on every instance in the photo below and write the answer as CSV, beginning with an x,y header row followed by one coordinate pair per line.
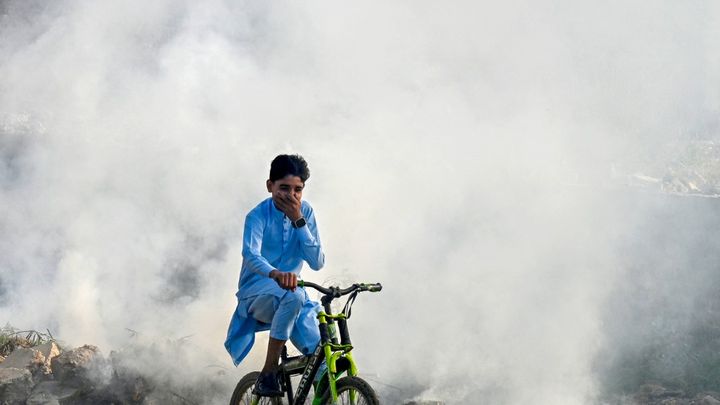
x,y
335,352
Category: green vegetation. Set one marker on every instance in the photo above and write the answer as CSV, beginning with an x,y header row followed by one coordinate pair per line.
x,y
11,338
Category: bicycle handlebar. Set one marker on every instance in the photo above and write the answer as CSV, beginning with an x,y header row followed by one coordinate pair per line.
x,y
337,292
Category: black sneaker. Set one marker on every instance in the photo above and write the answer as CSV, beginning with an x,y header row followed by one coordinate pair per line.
x,y
267,385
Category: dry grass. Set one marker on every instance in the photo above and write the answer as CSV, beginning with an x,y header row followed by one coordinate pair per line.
x,y
11,339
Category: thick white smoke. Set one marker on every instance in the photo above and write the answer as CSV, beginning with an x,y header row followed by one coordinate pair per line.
x,y
457,154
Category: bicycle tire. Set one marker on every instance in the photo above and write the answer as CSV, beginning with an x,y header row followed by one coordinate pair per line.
x,y
365,393
242,395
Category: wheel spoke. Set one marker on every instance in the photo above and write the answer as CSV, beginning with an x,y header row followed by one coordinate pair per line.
x,y
352,397
352,391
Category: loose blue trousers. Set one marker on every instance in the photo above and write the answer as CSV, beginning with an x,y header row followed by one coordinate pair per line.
x,y
291,316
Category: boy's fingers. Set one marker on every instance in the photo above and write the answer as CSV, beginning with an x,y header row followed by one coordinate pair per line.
x,y
287,281
290,280
291,198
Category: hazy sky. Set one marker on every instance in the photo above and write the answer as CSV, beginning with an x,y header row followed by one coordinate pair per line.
x,y
458,154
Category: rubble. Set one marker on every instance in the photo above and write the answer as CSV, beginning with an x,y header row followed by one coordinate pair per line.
x,y
36,360
51,393
138,374
43,374
690,168
24,358
704,399
15,385
655,394
78,366
49,350
36,370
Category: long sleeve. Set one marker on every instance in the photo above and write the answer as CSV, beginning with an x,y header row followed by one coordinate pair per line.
x,y
310,246
252,244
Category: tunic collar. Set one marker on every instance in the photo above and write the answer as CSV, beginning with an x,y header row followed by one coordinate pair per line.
x,y
275,212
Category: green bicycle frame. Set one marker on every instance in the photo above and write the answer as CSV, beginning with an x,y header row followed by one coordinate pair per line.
x,y
337,355
333,353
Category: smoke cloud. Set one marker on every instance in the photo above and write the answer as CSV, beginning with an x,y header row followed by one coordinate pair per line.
x,y
469,156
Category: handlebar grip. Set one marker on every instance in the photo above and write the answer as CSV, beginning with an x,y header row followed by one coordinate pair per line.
x,y
373,287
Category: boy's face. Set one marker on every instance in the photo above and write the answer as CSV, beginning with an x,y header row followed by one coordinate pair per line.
x,y
285,188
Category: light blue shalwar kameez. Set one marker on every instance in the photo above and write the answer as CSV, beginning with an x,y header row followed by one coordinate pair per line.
x,y
270,242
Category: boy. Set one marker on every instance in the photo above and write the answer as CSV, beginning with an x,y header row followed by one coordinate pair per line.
x,y
280,233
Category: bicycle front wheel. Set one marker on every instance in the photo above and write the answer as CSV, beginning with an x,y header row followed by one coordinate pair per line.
x,y
243,393
352,391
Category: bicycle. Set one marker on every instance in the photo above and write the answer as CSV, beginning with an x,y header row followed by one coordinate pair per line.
x,y
332,386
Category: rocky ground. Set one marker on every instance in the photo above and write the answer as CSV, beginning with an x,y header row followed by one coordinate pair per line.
x,y
46,375
683,168
653,394
40,371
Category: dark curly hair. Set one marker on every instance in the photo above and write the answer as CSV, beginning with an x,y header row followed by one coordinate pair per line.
x,y
284,165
